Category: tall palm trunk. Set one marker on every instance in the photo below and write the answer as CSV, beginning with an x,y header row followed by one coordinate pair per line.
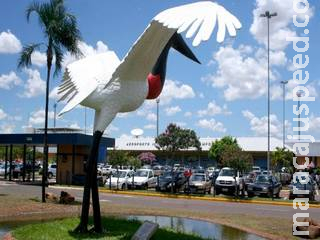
x,y
45,163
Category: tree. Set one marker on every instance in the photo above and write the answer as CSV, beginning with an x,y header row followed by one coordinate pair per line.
x,y
282,157
118,158
234,157
218,146
60,30
175,138
147,157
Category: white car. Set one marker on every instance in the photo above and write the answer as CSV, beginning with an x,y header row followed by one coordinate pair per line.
x,y
2,169
106,170
52,170
143,178
119,179
226,182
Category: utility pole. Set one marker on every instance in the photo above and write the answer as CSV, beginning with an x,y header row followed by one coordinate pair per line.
x,y
268,15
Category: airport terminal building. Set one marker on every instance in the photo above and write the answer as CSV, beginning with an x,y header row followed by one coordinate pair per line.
x,y
256,146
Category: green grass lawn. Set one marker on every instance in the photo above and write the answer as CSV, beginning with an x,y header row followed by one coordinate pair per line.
x,y
115,229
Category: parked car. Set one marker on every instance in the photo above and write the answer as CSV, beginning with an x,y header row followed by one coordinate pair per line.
x,y
266,185
228,181
143,178
171,179
146,167
307,190
2,170
120,179
256,169
249,179
158,170
210,170
214,175
200,182
106,169
52,170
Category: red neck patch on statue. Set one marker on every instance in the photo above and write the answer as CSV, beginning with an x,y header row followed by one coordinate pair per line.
x,y
155,86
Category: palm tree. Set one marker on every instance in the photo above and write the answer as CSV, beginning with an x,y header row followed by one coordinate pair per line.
x,y
60,30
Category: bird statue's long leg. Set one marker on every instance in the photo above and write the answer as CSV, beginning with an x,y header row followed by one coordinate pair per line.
x,y
95,198
83,226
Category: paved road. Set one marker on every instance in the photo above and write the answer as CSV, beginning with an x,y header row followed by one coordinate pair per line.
x,y
28,191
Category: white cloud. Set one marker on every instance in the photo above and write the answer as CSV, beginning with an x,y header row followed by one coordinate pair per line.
x,y
39,59
38,117
170,111
150,126
280,26
9,43
86,50
7,128
175,90
7,81
54,94
3,115
34,86
214,109
241,76
212,125
110,129
188,114
151,117
74,125
259,126
314,123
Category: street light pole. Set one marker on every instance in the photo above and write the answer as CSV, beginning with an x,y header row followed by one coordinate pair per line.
x,y
158,101
55,115
284,110
268,15
299,95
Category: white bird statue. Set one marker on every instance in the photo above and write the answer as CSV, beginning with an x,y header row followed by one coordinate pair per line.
x,y
109,86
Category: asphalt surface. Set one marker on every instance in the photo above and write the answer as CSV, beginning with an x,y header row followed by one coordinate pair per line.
x,y
29,191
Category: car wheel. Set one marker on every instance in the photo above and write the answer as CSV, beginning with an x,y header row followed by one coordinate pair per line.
x,y
50,175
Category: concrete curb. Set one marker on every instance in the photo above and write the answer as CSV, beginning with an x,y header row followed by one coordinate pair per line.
x,y
213,199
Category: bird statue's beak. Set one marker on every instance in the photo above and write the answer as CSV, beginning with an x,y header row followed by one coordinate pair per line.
x,y
180,45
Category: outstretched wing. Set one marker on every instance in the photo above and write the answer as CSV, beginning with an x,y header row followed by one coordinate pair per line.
x,y
198,19
82,77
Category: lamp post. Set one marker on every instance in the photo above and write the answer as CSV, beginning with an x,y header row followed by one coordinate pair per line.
x,y
299,95
158,101
284,110
55,115
268,15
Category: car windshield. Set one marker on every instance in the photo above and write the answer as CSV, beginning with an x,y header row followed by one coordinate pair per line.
x,y
120,174
262,179
141,173
167,174
226,173
197,178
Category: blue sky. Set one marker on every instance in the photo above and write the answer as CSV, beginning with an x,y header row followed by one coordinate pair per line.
x,y
226,95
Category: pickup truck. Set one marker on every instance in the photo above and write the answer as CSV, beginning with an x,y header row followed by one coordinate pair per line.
x,y
227,182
